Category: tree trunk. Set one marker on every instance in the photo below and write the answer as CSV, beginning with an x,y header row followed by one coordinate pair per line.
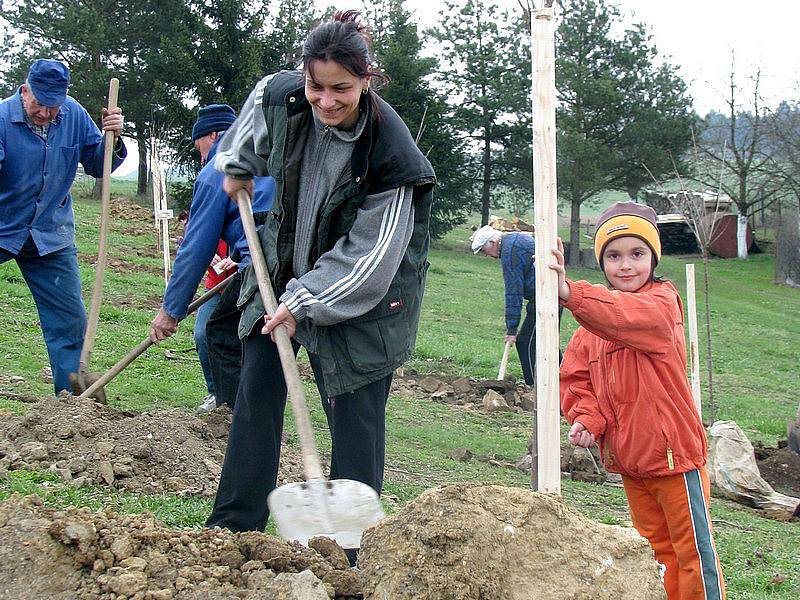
x,y
712,406
97,190
575,234
787,250
741,236
487,177
141,183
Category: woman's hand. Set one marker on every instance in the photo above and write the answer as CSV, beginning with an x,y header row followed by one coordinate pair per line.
x,y
558,267
580,436
232,186
281,316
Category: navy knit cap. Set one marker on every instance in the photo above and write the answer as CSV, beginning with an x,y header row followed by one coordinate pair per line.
x,y
211,118
48,81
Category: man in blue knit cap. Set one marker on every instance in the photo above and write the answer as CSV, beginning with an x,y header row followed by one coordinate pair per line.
x,y
515,251
212,217
44,134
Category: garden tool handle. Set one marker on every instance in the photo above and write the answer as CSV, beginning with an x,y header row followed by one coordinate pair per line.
x,y
146,343
294,385
504,362
100,267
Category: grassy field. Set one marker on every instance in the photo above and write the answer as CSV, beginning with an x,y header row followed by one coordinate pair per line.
x,y
755,328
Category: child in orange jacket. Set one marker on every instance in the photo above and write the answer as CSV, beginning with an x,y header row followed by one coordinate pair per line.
x,y
624,384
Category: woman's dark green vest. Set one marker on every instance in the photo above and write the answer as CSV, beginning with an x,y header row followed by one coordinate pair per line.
x,y
367,348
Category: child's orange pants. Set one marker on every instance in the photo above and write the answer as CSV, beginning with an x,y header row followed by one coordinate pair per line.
x,y
672,513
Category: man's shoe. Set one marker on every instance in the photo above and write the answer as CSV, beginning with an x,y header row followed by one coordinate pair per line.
x,y
209,403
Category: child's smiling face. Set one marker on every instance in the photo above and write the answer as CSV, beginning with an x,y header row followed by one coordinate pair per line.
x,y
627,263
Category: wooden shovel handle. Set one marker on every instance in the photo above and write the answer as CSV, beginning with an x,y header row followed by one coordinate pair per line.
x,y
501,374
100,267
294,385
146,343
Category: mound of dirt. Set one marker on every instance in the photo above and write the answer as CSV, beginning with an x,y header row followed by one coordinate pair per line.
x,y
780,467
86,443
480,542
77,554
124,208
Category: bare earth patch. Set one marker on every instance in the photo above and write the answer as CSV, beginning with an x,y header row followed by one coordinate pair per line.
x,y
86,443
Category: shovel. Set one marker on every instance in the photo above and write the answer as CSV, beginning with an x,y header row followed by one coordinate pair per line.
x,y
146,343
82,380
340,509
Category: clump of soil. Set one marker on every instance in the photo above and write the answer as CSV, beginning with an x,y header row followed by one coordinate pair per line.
x,y
119,265
780,467
122,208
490,395
77,554
86,443
478,542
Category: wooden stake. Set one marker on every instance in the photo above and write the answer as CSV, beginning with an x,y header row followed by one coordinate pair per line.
x,y
161,212
546,224
694,354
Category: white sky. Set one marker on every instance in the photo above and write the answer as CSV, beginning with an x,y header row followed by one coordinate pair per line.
x,y
698,36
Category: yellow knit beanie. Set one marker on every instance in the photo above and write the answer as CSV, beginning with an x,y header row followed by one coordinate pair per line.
x,y
624,219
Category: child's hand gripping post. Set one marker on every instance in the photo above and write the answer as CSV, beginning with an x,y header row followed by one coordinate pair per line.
x,y
559,267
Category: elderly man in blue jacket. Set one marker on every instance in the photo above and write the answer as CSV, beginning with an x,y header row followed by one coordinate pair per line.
x,y
212,217
515,251
44,134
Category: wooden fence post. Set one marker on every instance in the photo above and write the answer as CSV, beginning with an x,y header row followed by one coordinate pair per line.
x,y
548,434
694,354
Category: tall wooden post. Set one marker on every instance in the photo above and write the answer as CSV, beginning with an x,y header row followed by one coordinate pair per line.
x,y
546,224
694,347
161,212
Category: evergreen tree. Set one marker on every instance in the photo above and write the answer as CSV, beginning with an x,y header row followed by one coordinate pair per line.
x,y
147,44
487,58
619,115
398,49
294,19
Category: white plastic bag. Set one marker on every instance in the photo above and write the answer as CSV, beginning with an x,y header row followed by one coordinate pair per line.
x,y
733,470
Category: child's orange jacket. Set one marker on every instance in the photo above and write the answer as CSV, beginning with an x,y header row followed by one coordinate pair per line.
x,y
624,378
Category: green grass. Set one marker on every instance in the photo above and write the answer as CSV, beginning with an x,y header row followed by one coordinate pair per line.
x,y
755,328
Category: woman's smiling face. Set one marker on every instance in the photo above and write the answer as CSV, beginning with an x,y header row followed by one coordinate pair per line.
x,y
334,93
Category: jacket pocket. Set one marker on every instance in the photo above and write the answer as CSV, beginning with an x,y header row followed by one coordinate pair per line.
x,y
65,162
378,338
621,375
639,443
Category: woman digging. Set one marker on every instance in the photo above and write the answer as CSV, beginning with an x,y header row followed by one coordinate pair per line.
x,y
624,384
346,248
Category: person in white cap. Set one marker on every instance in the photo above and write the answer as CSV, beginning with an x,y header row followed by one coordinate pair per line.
x,y
515,250
44,134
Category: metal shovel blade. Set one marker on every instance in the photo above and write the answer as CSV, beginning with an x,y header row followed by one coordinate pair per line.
x,y
340,509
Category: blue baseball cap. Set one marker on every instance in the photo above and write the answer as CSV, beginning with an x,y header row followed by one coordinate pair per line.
x,y
48,80
211,118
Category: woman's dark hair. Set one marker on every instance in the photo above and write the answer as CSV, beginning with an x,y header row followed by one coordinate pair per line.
x,y
345,40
